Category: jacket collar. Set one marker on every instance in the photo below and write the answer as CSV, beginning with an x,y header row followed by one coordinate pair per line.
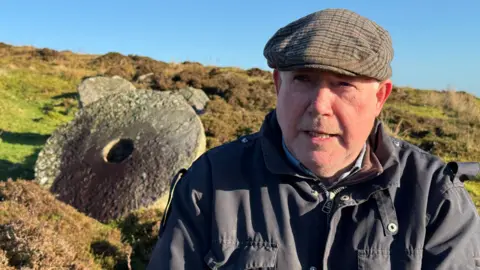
x,y
273,154
277,162
297,164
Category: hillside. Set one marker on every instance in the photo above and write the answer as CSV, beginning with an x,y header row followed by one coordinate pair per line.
x,y
38,231
38,93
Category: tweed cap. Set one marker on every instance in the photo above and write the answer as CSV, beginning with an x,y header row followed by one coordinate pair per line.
x,y
337,40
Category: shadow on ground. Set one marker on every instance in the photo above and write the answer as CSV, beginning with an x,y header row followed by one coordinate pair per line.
x,y
16,171
107,253
73,95
26,138
141,236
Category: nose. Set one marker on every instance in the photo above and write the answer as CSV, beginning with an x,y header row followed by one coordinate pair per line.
x,y
321,101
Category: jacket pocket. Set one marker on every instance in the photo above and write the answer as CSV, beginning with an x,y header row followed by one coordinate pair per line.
x,y
373,259
385,259
248,255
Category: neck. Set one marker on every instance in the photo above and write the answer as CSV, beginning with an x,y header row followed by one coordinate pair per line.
x,y
322,173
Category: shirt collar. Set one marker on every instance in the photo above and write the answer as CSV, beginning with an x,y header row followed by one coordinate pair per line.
x,y
298,165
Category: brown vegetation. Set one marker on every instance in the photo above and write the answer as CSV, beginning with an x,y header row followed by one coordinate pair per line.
x,y
39,232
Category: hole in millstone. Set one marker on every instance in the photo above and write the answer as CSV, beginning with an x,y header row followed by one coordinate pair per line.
x,y
117,150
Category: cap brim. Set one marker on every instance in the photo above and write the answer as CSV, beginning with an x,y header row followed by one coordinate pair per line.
x,y
320,67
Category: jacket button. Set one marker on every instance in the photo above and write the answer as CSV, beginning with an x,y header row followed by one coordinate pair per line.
x,y
392,227
244,140
313,268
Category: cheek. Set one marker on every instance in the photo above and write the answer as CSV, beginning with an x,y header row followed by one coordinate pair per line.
x,y
366,110
357,118
359,107
290,108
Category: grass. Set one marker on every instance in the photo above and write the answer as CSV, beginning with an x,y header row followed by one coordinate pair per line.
x,y
32,106
418,110
473,188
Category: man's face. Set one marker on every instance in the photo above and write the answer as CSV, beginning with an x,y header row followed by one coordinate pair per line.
x,y
325,117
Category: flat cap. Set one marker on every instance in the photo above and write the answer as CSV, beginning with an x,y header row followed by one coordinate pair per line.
x,y
337,40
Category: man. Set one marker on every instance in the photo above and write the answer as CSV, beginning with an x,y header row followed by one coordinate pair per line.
x,y
322,185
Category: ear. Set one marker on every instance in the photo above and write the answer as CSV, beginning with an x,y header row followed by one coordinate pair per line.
x,y
382,95
277,79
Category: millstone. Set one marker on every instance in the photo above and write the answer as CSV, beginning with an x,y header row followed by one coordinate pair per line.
x,y
120,153
95,88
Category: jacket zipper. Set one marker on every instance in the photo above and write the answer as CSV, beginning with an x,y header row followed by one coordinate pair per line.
x,y
329,198
329,203
329,195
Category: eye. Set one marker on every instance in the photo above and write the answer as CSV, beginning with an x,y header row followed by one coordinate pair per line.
x,y
344,84
301,77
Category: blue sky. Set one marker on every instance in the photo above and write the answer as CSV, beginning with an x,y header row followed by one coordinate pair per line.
x,y
436,43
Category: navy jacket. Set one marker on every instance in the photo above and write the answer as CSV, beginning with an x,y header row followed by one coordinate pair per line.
x,y
242,206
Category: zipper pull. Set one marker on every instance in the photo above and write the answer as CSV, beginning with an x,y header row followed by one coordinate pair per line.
x,y
328,205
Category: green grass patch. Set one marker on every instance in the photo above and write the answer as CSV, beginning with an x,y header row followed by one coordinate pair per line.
x,y
32,106
418,110
473,187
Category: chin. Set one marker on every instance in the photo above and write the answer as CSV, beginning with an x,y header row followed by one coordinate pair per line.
x,y
314,156
321,158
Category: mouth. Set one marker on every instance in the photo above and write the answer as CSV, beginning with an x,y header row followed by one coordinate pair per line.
x,y
320,136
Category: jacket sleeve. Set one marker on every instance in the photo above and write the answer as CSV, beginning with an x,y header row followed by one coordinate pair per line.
x,y
184,235
452,239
